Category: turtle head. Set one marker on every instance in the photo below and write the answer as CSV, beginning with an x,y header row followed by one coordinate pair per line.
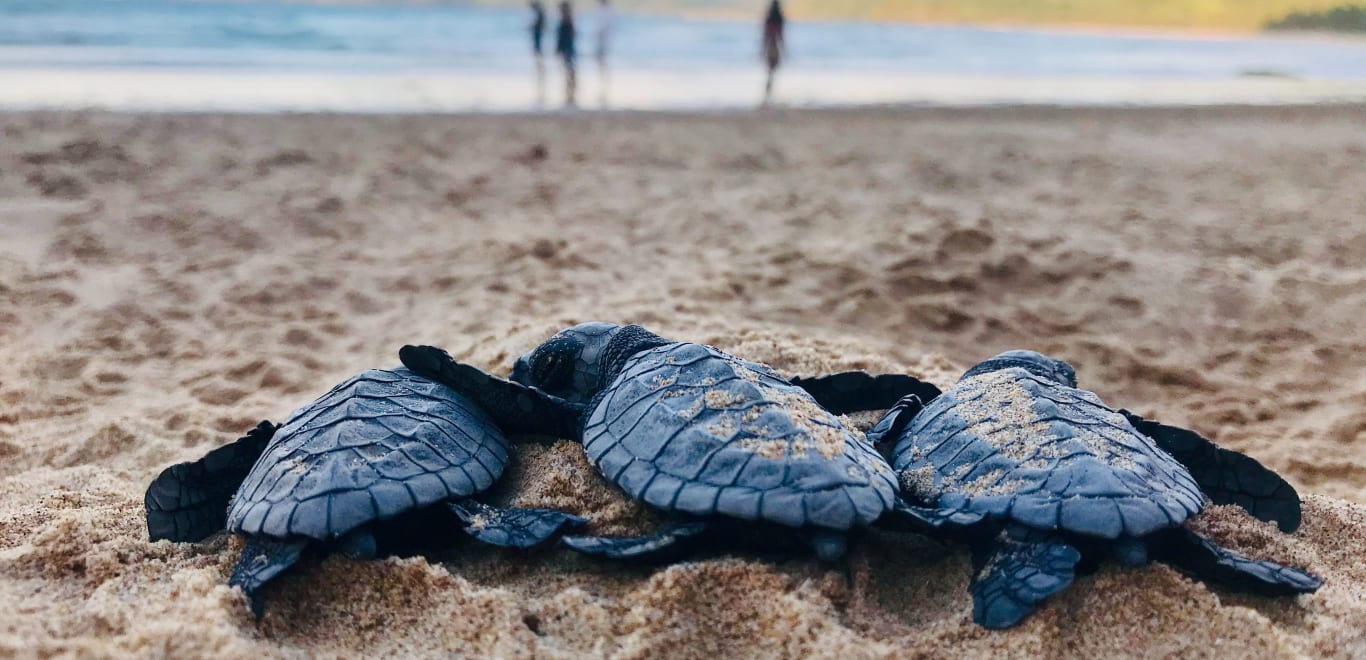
x,y
578,362
1035,363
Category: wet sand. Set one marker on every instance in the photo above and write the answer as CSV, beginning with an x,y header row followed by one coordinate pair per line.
x,y
167,281
172,89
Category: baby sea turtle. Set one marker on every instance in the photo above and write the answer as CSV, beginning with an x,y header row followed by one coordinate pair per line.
x,y
1040,476
379,446
693,431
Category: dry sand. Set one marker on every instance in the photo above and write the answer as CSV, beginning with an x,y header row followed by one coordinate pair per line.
x,y
166,281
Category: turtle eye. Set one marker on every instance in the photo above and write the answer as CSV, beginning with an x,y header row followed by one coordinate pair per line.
x,y
1066,375
550,371
552,365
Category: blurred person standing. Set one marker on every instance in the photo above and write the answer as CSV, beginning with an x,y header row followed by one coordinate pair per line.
x,y
537,27
603,33
537,36
773,45
565,48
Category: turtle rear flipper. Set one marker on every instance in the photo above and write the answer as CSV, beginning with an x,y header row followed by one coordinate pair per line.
x,y
1016,571
660,546
1227,476
1202,558
829,545
854,391
262,559
189,501
512,528
936,523
359,543
516,408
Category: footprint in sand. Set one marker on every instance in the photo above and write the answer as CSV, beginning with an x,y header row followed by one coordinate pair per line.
x,y
96,449
965,241
104,383
78,152
78,244
1130,306
65,367
941,316
219,394
60,186
1349,429
302,337
282,159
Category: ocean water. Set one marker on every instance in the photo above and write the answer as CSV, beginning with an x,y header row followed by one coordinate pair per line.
x,y
244,55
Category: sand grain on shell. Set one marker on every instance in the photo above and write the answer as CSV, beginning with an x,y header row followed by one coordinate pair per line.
x,y
168,281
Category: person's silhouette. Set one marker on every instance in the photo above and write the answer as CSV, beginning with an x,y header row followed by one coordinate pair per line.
x,y
564,47
604,37
773,45
537,36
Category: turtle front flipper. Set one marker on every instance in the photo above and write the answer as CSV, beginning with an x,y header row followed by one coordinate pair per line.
x,y
512,528
855,391
890,427
189,501
1203,559
664,544
516,408
262,559
1227,476
1015,572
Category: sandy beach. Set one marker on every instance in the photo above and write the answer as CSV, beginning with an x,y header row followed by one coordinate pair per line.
x,y
166,281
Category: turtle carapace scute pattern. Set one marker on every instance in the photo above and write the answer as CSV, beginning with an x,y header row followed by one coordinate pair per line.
x,y
373,447
688,428
383,444
695,432
1009,442
1037,475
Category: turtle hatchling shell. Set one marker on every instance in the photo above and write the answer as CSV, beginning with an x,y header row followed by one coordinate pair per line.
x,y
377,445
688,428
1012,445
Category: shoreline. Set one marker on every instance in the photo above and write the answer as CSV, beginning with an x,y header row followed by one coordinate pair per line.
x,y
979,112
161,90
